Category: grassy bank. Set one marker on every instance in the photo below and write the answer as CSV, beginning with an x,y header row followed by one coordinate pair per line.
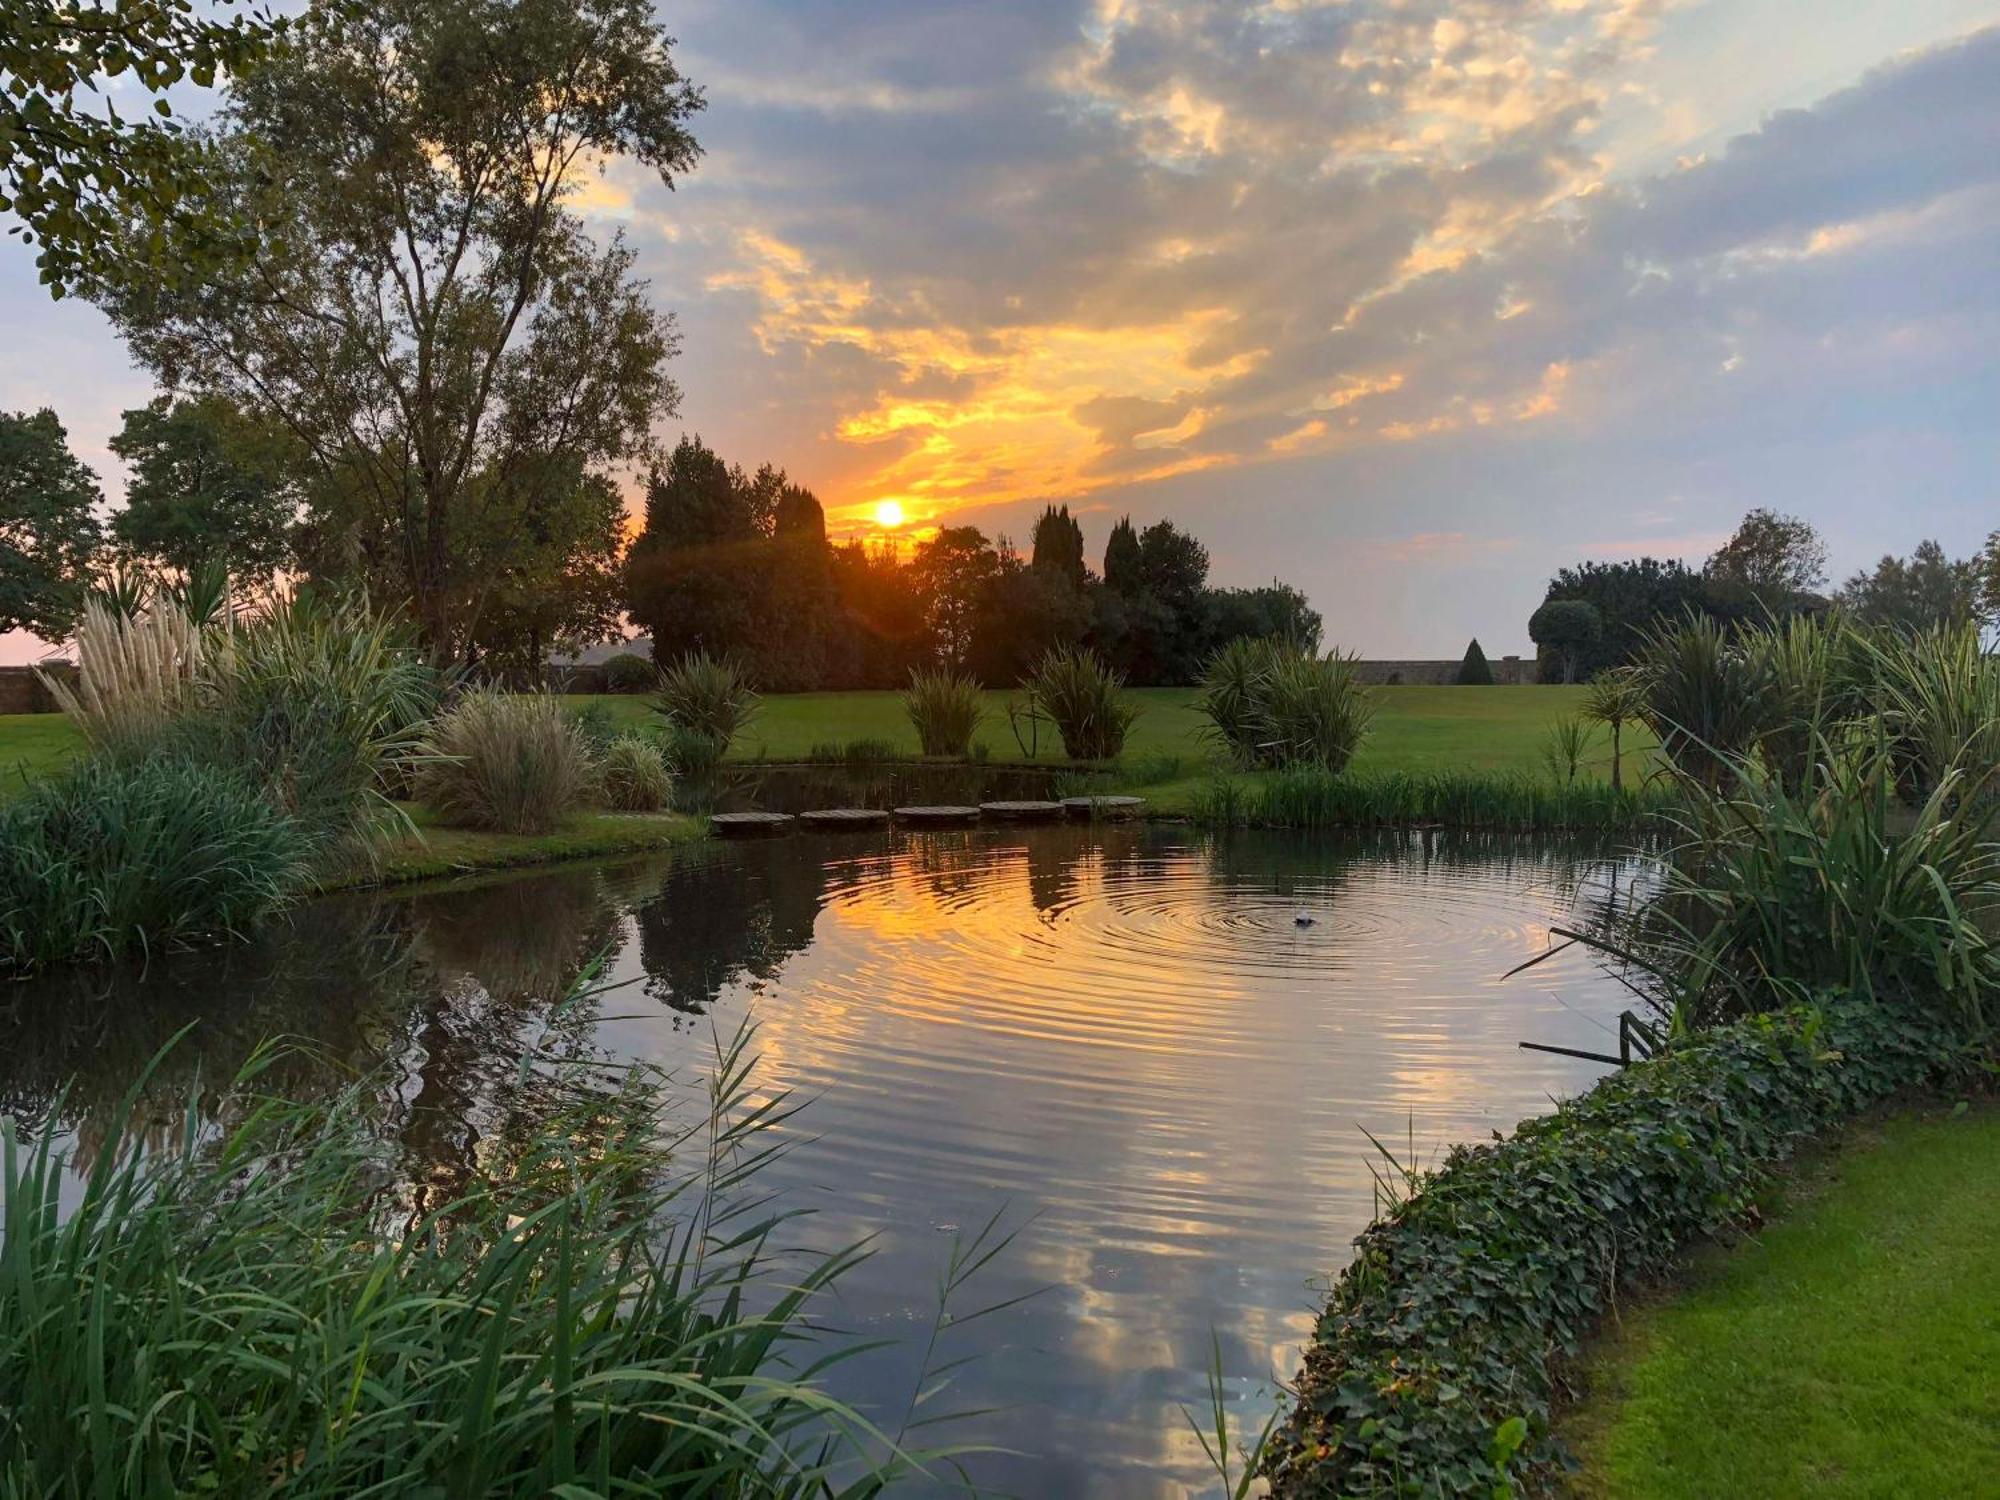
x,y
1849,1349
435,850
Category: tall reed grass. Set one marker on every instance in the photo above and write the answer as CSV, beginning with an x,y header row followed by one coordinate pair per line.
x,y
1310,797
945,709
604,1311
1085,699
135,676
511,763
115,856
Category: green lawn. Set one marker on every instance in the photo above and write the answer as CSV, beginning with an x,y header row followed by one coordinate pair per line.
x,y
31,744
1850,1350
1416,728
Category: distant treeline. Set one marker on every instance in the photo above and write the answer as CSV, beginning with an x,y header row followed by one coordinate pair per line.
x,y
1597,615
740,564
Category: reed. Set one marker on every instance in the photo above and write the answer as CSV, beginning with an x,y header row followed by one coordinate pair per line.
x,y
586,1316
945,709
512,763
1310,797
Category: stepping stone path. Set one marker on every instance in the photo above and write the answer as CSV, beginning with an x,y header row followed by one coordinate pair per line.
x,y
747,825
1103,807
846,817
938,817
1022,812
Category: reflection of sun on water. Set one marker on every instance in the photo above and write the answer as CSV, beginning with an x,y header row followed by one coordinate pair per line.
x,y
888,513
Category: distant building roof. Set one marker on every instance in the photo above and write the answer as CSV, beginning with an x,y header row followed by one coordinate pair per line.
x,y
598,655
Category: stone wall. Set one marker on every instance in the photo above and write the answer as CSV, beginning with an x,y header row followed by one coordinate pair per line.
x,y
21,692
1508,671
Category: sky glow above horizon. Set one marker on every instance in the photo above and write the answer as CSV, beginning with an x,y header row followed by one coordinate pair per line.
x,y
1406,303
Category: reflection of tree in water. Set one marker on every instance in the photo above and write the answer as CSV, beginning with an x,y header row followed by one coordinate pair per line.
x,y
718,918
446,994
329,984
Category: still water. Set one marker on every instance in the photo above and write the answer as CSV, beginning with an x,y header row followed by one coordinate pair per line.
x,y
1122,1040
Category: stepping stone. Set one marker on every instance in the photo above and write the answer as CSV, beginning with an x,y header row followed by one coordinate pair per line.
x,y
749,825
1022,812
1103,807
846,817
938,817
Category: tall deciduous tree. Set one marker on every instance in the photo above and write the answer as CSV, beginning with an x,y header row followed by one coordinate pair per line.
x,y
49,535
1773,562
427,315
1630,597
74,172
208,483
1913,593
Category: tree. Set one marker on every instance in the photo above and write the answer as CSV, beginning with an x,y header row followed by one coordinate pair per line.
x,y
952,570
1123,562
77,177
698,576
1928,589
1630,598
1024,613
49,537
1567,628
1773,563
426,315
1617,697
1058,545
1475,670
208,483
559,580
1276,612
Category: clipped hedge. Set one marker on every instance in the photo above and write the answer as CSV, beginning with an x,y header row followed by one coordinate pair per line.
x,y
1435,1364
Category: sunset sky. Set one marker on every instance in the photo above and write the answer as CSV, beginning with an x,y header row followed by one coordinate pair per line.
x,y
1406,303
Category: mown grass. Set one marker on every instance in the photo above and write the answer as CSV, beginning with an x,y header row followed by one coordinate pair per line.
x,y
1848,1350
437,851
33,745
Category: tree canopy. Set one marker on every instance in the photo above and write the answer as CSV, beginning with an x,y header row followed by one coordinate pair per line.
x,y
208,483
427,316
49,536
1913,593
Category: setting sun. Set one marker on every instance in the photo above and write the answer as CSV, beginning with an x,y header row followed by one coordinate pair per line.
x,y
888,513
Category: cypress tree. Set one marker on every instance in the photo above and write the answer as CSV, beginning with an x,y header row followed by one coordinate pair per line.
x,y
1475,670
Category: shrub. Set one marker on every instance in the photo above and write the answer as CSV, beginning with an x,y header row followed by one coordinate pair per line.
x,y
1316,711
1706,697
1475,670
945,709
706,695
1084,699
1235,698
135,676
585,1316
513,763
634,775
1435,1364
1797,662
692,755
629,672
114,856
597,725
1938,695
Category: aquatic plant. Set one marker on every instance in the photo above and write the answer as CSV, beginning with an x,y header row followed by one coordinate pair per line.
x,y
1775,895
706,695
633,775
120,855
945,709
1309,797
1073,688
513,763
586,1316
692,755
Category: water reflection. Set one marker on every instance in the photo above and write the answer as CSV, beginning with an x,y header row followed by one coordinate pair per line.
x,y
1119,1037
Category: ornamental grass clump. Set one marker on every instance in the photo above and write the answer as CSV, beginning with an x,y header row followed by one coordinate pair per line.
x,y
633,775
1235,698
265,1311
507,762
135,676
706,695
945,709
1073,689
1270,703
118,856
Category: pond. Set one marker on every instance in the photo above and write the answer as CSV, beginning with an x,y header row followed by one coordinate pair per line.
x,y
1122,1040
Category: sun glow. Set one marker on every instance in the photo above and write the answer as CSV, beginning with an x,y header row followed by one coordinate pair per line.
x,y
888,514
